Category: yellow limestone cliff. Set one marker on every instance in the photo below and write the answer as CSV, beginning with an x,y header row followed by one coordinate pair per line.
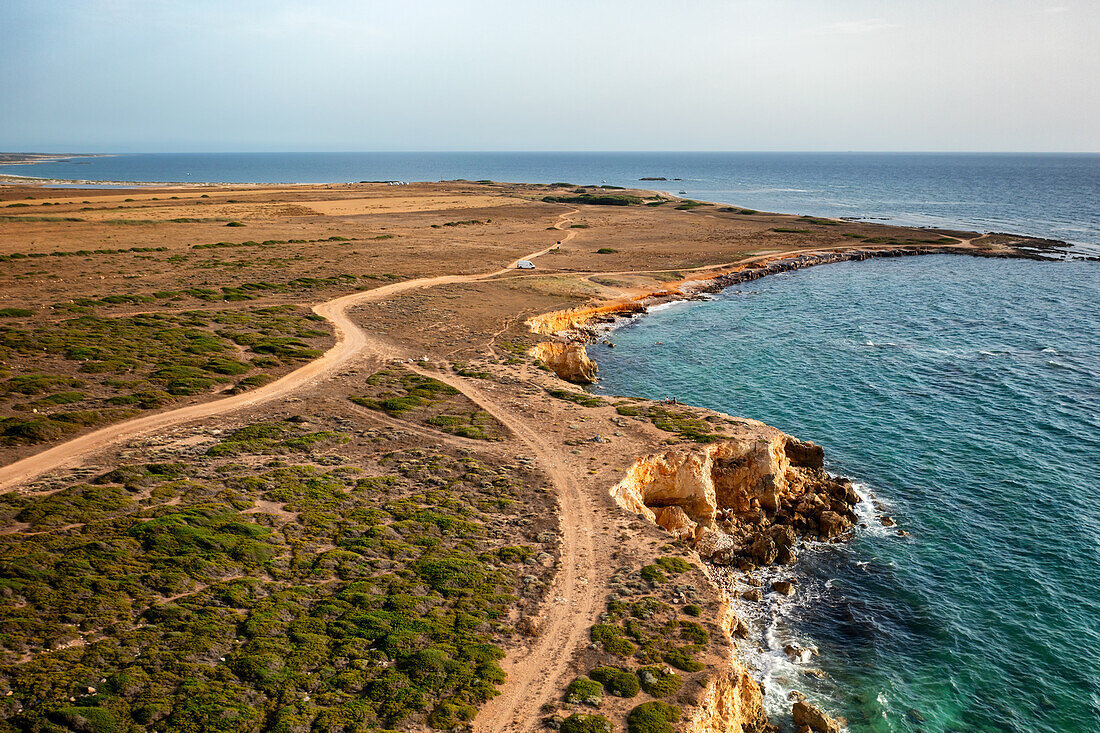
x,y
732,701
742,501
568,360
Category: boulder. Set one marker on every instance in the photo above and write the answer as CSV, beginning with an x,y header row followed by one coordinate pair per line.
x,y
675,520
804,454
783,587
806,714
832,524
763,550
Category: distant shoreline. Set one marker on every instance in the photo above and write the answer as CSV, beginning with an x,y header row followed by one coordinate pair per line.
x,y
35,158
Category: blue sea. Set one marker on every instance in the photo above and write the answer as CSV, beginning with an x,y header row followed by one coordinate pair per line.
x,y
961,394
1047,195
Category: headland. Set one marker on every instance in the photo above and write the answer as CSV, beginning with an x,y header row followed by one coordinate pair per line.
x,y
314,456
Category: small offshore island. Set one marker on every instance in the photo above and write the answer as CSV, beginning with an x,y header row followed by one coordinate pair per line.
x,y
311,457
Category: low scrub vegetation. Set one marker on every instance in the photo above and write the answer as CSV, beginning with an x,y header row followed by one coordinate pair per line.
x,y
103,369
192,596
681,422
596,199
407,395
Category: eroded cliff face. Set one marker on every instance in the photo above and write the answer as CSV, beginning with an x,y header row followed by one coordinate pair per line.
x,y
740,501
731,703
568,360
572,319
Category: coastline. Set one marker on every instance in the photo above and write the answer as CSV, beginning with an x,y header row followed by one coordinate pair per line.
x,y
741,589
492,373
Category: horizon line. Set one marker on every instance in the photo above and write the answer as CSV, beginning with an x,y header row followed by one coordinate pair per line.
x,y
550,152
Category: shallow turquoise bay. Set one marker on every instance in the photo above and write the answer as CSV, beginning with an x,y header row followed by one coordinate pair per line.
x,y
962,393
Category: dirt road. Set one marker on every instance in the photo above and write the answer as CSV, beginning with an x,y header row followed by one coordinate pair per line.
x,y
350,340
573,601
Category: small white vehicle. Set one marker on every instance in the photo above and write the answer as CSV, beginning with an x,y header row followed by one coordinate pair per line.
x,y
525,265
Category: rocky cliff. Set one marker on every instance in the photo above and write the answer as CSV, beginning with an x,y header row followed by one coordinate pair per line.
x,y
732,701
568,360
743,502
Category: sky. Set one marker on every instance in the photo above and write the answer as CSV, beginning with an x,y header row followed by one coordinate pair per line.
x,y
417,75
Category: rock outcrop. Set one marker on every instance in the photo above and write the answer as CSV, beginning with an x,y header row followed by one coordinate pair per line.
x,y
731,703
743,502
581,319
807,716
568,360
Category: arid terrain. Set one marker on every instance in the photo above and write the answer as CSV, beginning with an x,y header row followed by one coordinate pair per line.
x,y
293,458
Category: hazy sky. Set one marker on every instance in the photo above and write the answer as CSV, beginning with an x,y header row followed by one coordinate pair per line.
x,y
243,75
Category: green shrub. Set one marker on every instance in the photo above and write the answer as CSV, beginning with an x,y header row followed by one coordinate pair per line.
x,y
579,398
606,251
618,682
582,723
652,717
694,632
449,714
584,690
15,312
613,640
683,658
88,719
658,681
693,610
675,565
235,224
653,574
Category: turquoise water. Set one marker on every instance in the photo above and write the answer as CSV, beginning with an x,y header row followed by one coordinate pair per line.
x,y
963,394
1046,195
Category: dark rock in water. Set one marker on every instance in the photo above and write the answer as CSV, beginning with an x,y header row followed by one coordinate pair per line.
x,y
752,594
795,696
785,556
653,178
832,524
783,587
782,536
806,714
887,521
763,550
915,715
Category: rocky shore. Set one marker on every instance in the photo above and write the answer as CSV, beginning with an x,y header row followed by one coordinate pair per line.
x,y
741,503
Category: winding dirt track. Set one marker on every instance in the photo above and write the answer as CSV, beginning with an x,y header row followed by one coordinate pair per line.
x,y
535,676
572,603
350,343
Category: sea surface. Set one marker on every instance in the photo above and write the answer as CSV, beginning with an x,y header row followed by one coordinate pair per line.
x,y
1046,195
962,394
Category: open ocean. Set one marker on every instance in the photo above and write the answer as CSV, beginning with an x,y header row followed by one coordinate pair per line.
x,y
1047,195
962,393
